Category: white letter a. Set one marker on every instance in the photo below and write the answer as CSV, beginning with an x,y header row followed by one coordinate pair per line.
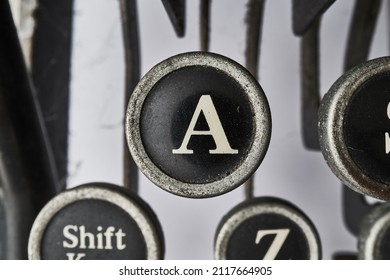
x,y
206,106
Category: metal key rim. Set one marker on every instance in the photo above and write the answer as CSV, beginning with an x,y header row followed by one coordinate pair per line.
x,y
331,128
372,227
92,192
262,125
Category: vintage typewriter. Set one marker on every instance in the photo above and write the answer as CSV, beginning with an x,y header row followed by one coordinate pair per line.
x,y
194,129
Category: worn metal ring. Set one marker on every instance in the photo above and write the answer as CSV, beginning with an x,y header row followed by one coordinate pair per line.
x,y
332,113
97,191
261,120
372,231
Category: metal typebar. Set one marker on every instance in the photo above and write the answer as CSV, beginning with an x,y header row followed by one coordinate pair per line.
x,y
27,172
51,66
254,22
205,6
177,13
132,56
361,33
310,83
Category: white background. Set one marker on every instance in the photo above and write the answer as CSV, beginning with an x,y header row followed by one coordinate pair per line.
x,y
288,171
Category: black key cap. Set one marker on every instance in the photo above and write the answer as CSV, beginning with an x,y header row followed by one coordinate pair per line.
x,y
96,221
269,229
198,124
354,127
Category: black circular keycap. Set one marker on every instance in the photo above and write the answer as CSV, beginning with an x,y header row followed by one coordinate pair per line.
x,y
374,236
266,229
354,128
365,133
96,221
198,124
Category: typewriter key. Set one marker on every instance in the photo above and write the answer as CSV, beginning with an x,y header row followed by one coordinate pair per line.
x,y
374,236
269,229
198,124
96,221
354,128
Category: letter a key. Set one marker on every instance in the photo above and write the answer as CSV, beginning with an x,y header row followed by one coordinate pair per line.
x,y
198,124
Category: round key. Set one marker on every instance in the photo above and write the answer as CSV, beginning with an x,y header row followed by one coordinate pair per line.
x,y
374,236
266,229
354,128
96,221
198,124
